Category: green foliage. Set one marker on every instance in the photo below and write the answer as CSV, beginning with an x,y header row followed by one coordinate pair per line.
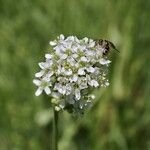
x,y
120,117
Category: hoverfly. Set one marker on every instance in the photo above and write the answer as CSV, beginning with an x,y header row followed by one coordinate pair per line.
x,y
105,45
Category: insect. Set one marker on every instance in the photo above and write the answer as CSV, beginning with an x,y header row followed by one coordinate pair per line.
x,y
105,45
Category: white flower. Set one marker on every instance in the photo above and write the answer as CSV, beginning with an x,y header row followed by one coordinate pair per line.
x,y
43,85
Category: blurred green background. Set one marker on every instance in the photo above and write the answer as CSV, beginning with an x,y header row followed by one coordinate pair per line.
x,y
120,118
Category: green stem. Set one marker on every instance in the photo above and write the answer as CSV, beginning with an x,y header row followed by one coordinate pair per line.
x,y
55,130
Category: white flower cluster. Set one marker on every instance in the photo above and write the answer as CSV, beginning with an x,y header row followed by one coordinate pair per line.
x,y
71,71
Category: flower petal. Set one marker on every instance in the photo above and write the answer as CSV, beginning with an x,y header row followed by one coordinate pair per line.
x,y
62,104
81,71
53,43
92,96
41,65
62,90
106,83
84,59
93,83
39,74
48,56
61,37
37,82
90,69
77,94
91,43
64,56
74,78
47,90
38,91
50,73
68,72
56,94
85,39
104,61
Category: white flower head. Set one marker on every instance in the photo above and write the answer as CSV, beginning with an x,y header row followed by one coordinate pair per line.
x,y
71,70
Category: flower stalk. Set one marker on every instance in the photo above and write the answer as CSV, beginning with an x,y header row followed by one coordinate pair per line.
x,y
55,130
